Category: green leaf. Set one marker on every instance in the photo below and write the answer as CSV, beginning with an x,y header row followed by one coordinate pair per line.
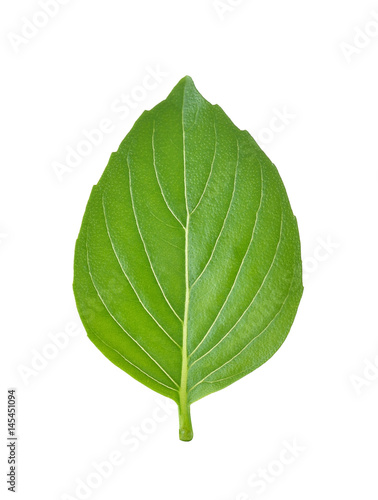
x,y
188,272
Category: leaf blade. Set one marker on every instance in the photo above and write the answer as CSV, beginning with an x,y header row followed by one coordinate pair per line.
x,y
187,266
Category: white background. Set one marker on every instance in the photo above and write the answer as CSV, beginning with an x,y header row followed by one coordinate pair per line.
x,y
257,59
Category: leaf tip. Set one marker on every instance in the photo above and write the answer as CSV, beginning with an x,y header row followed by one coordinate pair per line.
x,y
187,81
186,86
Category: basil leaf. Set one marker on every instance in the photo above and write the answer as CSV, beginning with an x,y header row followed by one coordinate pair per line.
x,y
188,272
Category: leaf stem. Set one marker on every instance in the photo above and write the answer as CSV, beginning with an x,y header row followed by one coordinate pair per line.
x,y
186,430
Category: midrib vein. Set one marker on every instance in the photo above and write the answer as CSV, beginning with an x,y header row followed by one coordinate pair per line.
x,y
183,392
